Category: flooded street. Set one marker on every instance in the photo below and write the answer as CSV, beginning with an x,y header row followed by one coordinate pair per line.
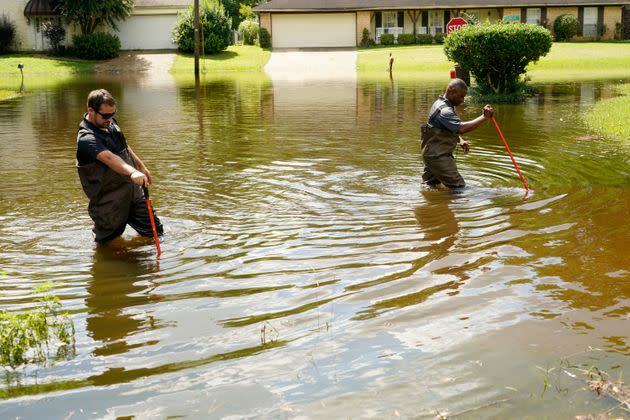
x,y
305,271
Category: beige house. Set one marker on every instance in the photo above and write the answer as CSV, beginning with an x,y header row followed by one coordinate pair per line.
x,y
340,23
148,27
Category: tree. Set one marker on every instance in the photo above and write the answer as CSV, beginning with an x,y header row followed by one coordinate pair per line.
x,y
214,25
90,14
497,54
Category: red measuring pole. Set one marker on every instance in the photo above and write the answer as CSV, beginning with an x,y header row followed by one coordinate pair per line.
x,y
496,125
150,208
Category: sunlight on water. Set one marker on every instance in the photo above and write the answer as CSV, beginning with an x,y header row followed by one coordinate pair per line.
x,y
305,270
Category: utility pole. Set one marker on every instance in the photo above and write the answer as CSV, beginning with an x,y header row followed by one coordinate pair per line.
x,y
196,11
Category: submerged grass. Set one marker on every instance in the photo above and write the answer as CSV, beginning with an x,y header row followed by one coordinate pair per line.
x,y
234,58
5,95
609,118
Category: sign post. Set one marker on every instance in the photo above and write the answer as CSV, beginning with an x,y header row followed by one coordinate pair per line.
x,y
455,24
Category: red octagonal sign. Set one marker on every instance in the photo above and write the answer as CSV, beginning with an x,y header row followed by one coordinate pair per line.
x,y
455,24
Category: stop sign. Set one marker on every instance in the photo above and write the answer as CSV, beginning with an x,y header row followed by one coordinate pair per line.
x,y
455,24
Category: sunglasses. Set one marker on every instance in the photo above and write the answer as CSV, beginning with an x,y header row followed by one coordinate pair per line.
x,y
106,115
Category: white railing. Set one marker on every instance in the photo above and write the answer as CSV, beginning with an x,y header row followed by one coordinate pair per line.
x,y
394,30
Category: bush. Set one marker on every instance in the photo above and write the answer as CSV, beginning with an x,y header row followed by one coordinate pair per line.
x,y
55,33
212,22
96,46
366,39
565,27
264,39
7,34
387,39
424,39
439,38
249,29
497,54
406,39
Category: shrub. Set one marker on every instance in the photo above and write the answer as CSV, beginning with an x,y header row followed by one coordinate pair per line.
x,y
7,34
212,22
406,39
439,38
565,27
264,39
96,46
497,54
55,33
366,39
387,39
249,29
424,39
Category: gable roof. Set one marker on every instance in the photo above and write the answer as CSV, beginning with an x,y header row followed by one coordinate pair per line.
x,y
353,5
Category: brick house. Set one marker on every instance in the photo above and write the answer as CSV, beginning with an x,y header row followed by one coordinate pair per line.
x,y
340,23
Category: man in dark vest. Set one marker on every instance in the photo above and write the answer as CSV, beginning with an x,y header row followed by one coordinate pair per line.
x,y
111,174
440,136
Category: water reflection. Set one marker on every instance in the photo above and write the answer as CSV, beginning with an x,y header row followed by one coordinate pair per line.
x,y
118,298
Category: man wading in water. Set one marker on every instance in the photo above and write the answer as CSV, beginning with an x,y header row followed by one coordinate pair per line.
x,y
440,135
111,174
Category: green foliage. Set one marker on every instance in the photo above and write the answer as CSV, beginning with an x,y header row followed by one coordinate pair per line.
x,y
96,46
366,39
264,38
27,337
387,39
214,26
565,27
249,30
439,38
55,33
7,34
497,54
245,12
424,39
406,39
231,9
90,14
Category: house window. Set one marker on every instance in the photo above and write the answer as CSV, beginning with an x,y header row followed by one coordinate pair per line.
x,y
533,15
590,21
390,19
436,22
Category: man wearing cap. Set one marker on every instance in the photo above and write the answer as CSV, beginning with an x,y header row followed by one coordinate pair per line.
x,y
111,174
440,136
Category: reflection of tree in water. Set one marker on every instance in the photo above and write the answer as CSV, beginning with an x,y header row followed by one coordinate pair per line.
x,y
113,300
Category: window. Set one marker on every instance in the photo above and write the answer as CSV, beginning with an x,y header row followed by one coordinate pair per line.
x,y
436,21
590,21
533,15
390,19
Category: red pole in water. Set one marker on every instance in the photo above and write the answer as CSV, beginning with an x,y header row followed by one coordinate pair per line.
x,y
496,125
150,208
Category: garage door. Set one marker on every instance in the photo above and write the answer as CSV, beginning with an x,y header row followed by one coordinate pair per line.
x,y
313,30
147,32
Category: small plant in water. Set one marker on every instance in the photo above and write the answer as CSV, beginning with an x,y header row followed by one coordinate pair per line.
x,y
268,334
31,336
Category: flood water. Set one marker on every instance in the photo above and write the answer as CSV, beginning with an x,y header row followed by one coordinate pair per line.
x,y
306,272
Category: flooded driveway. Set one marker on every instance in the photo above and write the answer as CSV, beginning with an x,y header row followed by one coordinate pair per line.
x,y
305,272
296,65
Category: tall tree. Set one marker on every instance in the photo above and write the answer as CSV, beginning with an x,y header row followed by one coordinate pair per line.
x,y
90,14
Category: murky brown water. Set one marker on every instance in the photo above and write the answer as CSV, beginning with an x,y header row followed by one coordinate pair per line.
x,y
305,272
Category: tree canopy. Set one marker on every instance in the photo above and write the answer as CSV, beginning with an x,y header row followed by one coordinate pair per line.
x,y
90,14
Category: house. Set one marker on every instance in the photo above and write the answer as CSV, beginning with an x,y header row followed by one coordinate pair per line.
x,y
340,23
148,28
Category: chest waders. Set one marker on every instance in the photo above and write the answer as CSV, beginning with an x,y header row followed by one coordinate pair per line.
x,y
111,195
437,153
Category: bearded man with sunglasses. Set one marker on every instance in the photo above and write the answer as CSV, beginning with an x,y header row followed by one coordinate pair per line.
x,y
111,174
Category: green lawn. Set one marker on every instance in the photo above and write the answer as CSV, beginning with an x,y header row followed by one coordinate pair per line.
x,y
8,94
609,118
39,71
234,58
565,61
